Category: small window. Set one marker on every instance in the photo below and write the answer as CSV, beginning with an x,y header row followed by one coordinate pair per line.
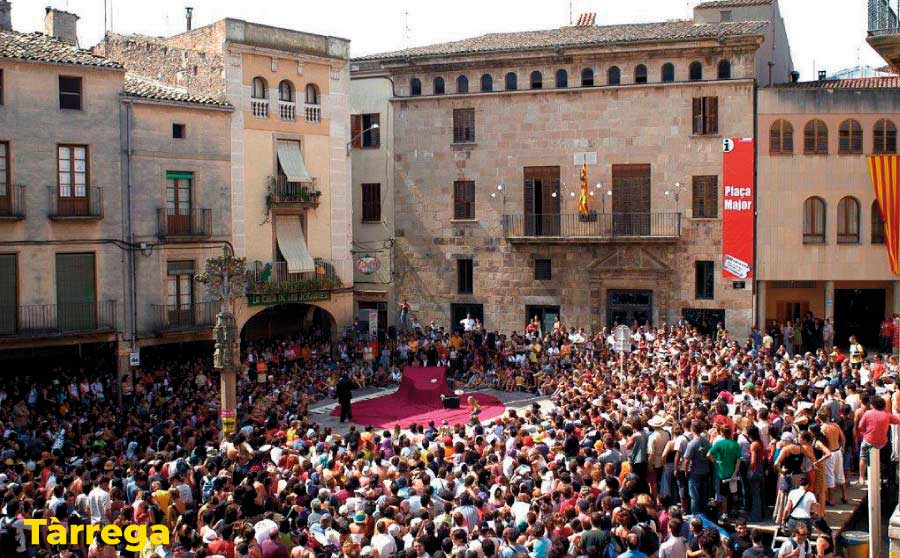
x,y
562,78
464,125
877,224
286,91
725,15
462,84
415,87
543,270
70,93
614,76
587,77
511,81
487,83
884,137
537,80
312,94
464,199
815,138
706,115
704,280
640,74
258,89
781,138
848,221
814,221
668,72
695,71
850,138
464,276
706,197
438,86
724,69
371,203
178,131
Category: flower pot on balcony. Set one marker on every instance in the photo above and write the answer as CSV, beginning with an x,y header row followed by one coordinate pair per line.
x,y
591,217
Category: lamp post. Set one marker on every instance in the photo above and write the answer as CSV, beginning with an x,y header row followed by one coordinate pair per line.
x,y
675,192
226,279
354,138
604,194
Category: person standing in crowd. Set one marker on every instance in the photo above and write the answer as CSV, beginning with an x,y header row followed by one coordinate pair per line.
x,y
344,393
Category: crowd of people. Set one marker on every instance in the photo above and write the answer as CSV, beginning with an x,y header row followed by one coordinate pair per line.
x,y
667,450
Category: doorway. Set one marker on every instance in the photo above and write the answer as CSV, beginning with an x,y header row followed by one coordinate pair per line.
x,y
627,307
458,313
858,312
546,314
542,201
703,319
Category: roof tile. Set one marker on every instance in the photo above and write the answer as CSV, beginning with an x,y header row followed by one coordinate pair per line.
x,y
885,82
733,3
38,47
146,88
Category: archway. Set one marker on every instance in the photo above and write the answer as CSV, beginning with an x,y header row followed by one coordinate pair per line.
x,y
289,321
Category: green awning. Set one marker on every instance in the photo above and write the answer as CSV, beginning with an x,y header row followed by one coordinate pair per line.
x,y
179,174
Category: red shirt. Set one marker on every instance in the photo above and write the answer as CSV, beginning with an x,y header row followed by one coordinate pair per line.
x,y
874,426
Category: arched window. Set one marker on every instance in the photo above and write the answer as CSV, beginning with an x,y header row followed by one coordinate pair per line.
x,y
462,84
814,221
487,82
695,71
848,221
512,82
850,137
613,76
668,72
438,86
286,91
815,138
415,87
877,224
724,69
312,94
781,138
884,135
640,74
587,77
537,80
260,89
562,78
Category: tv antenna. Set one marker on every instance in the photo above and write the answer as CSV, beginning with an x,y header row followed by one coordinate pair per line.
x,y
406,29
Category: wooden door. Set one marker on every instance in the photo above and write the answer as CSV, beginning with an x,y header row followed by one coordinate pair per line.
x,y
73,177
541,210
180,294
631,200
5,186
178,204
76,300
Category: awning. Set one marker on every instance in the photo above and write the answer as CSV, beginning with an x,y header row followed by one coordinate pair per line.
x,y
292,244
291,161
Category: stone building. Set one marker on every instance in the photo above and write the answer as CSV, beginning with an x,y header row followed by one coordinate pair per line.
x,y
489,138
289,164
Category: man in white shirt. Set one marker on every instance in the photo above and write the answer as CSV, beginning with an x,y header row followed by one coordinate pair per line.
x,y
800,507
797,546
382,541
468,323
674,547
99,502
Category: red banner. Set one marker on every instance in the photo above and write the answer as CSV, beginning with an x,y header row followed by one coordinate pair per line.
x,y
738,208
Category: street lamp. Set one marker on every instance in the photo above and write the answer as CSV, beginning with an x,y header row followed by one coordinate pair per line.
x,y
605,193
226,279
675,192
354,138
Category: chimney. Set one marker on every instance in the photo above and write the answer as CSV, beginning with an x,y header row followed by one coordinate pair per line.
x,y
5,16
61,25
188,12
795,76
822,75
586,19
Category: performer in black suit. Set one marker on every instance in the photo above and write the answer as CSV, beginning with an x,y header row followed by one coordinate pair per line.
x,y
344,395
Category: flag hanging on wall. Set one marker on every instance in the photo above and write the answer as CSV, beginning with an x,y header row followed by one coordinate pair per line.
x,y
583,199
885,173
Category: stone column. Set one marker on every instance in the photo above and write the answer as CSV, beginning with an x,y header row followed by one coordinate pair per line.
x,y
829,299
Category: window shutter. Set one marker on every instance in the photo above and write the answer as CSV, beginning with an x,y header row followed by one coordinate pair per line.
x,y
376,132
529,196
878,137
809,138
459,206
856,138
356,130
844,139
775,135
697,115
8,293
821,138
787,138
712,115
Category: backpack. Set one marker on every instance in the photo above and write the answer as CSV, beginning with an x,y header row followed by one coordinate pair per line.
x,y
9,543
648,539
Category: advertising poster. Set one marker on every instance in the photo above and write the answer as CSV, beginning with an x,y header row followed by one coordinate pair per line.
x,y
738,208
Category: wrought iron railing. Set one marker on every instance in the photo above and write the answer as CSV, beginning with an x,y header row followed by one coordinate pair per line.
x,y
594,225
174,222
84,204
185,317
286,192
12,203
275,277
883,18
54,320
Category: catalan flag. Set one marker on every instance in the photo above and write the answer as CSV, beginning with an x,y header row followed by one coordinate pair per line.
x,y
583,199
885,173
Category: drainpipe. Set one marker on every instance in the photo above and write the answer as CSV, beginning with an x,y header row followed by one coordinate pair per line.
x,y
756,283
132,263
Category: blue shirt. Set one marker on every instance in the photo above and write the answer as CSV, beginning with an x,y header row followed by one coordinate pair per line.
x,y
632,554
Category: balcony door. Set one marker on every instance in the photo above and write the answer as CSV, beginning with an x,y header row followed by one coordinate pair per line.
x,y
180,293
73,177
76,297
631,200
5,186
541,211
179,190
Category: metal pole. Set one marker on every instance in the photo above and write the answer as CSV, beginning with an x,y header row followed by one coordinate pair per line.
x,y
874,502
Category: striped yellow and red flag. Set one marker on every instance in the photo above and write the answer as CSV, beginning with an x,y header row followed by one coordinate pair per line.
x,y
885,173
583,209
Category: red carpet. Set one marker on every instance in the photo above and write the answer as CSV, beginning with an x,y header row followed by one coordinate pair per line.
x,y
419,400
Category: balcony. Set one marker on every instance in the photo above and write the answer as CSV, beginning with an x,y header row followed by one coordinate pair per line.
x,y
57,320
271,283
87,207
284,194
595,228
313,113
176,318
12,205
184,224
259,108
884,30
